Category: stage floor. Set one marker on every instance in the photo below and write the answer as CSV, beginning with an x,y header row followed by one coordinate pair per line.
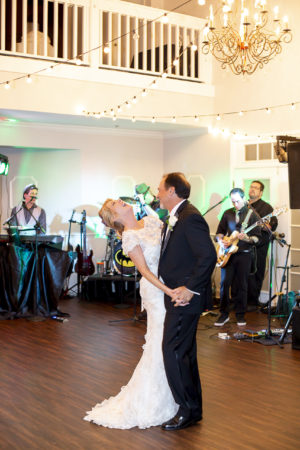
x,y
53,372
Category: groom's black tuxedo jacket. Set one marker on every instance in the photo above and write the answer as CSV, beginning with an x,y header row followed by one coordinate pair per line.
x,y
189,257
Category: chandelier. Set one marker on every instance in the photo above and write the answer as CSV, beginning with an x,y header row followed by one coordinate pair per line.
x,y
240,40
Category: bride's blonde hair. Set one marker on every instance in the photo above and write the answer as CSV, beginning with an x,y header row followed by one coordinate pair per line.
x,y
107,217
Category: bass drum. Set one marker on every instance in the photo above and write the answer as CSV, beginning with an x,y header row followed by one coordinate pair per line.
x,y
122,264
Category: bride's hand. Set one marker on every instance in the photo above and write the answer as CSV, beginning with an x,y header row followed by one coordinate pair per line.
x,y
171,293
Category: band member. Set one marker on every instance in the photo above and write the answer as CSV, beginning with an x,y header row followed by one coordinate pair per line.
x,y
29,214
261,208
238,267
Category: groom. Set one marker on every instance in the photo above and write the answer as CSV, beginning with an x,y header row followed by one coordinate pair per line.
x,y
187,260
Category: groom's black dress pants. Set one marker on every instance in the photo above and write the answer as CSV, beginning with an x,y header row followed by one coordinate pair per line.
x,y
180,358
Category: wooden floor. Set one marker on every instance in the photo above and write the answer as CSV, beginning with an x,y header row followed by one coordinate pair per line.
x,y
52,373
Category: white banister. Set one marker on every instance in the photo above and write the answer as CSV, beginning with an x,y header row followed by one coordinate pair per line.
x,y
138,40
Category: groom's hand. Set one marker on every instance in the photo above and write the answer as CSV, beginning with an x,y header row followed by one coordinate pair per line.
x,y
182,296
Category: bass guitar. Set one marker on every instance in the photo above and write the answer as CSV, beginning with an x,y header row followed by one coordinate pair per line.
x,y
224,253
84,265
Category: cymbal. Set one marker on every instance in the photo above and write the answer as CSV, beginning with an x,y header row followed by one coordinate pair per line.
x,y
129,200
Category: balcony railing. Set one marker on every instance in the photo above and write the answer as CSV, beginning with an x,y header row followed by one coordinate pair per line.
x,y
135,37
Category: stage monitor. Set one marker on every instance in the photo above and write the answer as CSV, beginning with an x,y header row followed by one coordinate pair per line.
x,y
293,151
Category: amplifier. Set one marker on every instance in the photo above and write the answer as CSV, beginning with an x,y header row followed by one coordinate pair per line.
x,y
296,328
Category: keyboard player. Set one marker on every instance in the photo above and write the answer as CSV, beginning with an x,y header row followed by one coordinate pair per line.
x,y
29,213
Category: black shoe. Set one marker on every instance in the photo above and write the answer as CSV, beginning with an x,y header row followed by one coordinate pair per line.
x,y
180,422
221,320
62,314
241,321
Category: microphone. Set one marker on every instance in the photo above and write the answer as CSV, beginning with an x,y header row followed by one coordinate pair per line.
x,y
278,235
33,197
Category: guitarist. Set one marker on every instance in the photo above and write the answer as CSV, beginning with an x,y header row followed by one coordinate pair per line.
x,y
238,267
261,209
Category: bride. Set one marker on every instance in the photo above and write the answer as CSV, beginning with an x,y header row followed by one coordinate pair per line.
x,y
147,399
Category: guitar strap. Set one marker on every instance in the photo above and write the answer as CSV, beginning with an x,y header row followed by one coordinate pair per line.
x,y
246,220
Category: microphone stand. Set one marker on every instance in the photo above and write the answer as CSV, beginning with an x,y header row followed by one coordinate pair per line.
x,y
7,222
214,206
268,339
37,227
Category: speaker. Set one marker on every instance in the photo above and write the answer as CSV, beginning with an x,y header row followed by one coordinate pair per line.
x,y
293,150
296,328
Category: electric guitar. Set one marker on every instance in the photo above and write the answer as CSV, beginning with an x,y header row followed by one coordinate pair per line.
x,y
224,253
84,265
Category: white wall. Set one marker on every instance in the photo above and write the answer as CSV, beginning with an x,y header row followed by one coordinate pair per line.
x,y
205,158
78,168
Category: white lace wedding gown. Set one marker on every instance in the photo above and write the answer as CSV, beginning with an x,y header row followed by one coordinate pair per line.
x,y
146,400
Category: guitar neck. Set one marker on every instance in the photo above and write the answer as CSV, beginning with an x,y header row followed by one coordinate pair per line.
x,y
264,219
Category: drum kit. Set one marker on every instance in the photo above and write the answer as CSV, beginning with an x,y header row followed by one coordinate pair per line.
x,y
116,262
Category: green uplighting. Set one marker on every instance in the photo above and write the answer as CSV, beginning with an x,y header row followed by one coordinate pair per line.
x,y
4,165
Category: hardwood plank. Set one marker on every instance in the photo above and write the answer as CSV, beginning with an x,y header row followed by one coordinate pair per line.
x,y
52,373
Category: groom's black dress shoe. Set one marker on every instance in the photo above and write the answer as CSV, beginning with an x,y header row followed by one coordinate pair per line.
x,y
178,422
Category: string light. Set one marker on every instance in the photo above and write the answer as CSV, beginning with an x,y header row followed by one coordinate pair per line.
x,y
153,120
165,18
29,79
241,113
78,61
218,117
134,100
268,111
133,119
164,75
144,93
7,85
201,2
293,106
174,119
106,49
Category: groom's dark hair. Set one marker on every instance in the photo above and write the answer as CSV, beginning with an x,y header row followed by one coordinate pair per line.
x,y
179,182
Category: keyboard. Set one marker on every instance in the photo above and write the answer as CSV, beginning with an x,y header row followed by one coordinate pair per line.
x,y
42,239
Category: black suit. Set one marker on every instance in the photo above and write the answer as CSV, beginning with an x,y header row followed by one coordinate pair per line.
x,y
188,260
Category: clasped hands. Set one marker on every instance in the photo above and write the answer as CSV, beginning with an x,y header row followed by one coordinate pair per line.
x,y
181,296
